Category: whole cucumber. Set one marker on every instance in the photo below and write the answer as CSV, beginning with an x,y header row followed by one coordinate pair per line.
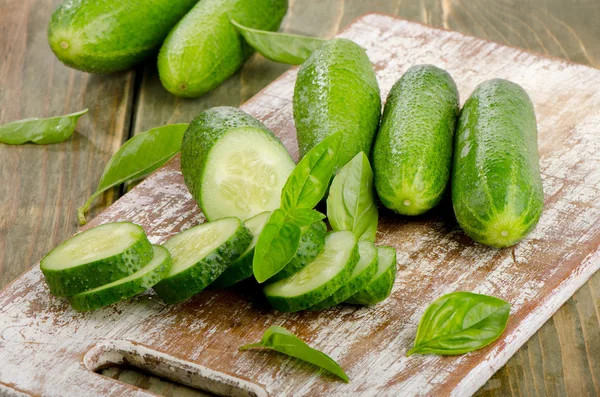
x,y
496,183
111,35
204,48
412,155
336,90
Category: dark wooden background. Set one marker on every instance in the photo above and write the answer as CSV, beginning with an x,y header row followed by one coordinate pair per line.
x,y
42,186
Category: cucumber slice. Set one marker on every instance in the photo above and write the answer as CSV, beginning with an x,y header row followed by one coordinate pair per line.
x,y
363,273
242,268
200,255
96,257
126,287
381,285
320,278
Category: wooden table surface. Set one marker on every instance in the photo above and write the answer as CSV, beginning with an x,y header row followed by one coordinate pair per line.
x,y
42,186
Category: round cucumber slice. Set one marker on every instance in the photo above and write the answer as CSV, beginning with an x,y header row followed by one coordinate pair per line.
x,y
200,255
363,273
126,287
242,268
95,257
320,278
382,283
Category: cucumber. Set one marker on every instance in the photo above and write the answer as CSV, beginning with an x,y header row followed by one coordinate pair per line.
x,y
233,165
242,267
336,90
496,183
330,270
204,48
361,276
380,286
111,35
126,287
200,254
96,257
412,155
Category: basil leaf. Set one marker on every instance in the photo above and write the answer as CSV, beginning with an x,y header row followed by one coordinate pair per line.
x,y
283,341
138,157
459,323
309,181
276,246
40,131
351,202
303,217
280,47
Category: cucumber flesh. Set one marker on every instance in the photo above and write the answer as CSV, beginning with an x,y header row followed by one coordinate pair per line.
x,y
200,255
331,269
96,257
126,287
382,283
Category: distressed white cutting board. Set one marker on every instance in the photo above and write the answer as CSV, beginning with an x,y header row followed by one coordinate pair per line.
x,y
48,349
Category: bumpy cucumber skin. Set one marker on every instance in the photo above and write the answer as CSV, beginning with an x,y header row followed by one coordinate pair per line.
x,y
412,155
91,301
204,48
336,90
239,270
497,189
111,35
380,288
185,284
81,278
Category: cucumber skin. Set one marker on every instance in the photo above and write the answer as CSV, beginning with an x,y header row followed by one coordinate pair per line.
x,y
202,134
218,49
379,289
497,140
130,31
79,279
87,301
412,155
184,285
336,90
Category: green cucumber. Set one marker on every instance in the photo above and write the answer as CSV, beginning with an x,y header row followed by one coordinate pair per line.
x,y
95,257
233,165
111,35
330,270
496,183
380,286
412,155
204,48
126,287
242,267
336,90
361,276
200,254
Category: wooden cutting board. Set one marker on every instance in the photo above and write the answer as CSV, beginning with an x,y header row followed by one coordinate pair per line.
x,y
48,349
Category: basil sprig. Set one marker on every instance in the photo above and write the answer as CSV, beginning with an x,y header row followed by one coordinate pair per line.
x,y
40,131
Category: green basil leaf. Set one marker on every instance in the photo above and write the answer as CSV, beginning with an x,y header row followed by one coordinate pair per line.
x,y
351,202
459,323
304,217
276,246
283,341
309,181
138,157
280,47
40,131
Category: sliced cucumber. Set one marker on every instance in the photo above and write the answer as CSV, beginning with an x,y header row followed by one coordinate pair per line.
x,y
96,257
200,255
126,287
331,269
242,268
381,285
363,273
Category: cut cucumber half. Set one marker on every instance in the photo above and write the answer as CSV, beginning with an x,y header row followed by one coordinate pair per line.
x,y
95,257
363,273
200,255
382,283
320,278
127,287
242,268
